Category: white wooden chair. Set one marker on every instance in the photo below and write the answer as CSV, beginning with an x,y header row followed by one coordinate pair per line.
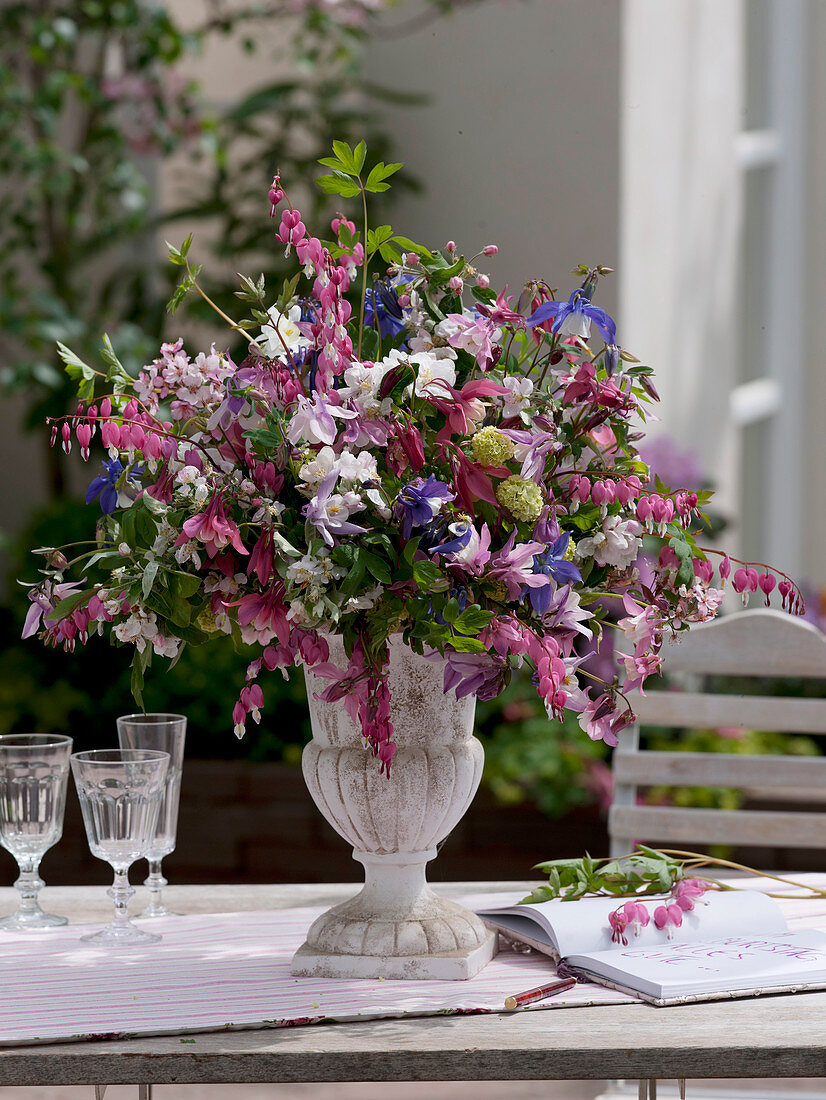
x,y
744,644
747,643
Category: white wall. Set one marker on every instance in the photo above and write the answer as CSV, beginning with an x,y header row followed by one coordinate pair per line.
x,y
813,287
680,202
519,145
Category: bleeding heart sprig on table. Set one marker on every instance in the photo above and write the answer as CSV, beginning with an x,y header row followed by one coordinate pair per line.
x,y
644,873
634,915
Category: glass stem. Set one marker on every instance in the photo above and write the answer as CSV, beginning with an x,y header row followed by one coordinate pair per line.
x,y
120,894
29,885
155,884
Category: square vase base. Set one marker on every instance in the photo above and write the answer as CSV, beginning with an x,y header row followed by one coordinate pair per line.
x,y
309,962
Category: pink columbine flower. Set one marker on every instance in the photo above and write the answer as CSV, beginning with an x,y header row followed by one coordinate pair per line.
x,y
313,420
213,528
44,599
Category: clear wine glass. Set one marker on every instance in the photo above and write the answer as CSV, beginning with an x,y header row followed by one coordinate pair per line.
x,y
165,733
34,769
120,795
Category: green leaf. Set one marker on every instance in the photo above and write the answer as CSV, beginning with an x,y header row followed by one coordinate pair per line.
x,y
149,575
370,344
440,277
426,574
351,583
390,253
191,635
181,290
347,157
137,680
184,585
378,568
146,530
175,255
78,371
181,611
450,612
67,606
541,893
467,645
378,236
378,173
411,246
359,153
483,294
473,619
116,370
335,185
345,235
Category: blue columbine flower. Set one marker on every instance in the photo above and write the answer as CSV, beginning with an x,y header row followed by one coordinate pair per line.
x,y
461,532
382,299
574,317
420,501
553,564
106,487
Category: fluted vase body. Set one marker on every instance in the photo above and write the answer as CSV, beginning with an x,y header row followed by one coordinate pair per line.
x,y
396,927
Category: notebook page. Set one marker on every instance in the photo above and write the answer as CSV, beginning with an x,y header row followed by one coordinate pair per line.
x,y
577,926
746,963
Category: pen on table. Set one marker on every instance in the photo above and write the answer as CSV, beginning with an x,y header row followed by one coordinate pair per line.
x,y
540,993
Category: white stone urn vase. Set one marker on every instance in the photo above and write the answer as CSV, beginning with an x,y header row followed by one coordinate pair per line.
x,y
396,927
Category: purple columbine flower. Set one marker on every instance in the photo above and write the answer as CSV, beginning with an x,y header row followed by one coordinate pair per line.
x,y
484,675
553,564
420,501
106,487
574,317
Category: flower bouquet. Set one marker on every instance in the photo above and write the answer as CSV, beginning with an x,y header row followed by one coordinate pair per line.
x,y
400,451
410,485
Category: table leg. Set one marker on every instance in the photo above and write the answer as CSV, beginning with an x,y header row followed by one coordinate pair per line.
x,y
144,1092
100,1091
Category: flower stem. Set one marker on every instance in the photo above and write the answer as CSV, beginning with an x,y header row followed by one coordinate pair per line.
x,y
699,860
218,310
364,267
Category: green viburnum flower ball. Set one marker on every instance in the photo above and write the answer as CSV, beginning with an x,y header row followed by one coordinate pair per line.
x,y
491,447
522,498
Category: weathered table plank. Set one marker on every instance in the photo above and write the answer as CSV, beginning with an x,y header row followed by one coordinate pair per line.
x,y
778,1036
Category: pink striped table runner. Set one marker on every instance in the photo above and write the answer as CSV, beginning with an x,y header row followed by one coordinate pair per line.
x,y
217,972
232,970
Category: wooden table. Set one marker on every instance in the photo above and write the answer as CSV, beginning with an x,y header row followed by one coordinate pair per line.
x,y
781,1036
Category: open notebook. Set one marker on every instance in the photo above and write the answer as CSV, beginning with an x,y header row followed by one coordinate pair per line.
x,y
736,944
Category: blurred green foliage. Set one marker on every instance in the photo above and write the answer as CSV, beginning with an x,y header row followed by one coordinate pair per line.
x,y
92,105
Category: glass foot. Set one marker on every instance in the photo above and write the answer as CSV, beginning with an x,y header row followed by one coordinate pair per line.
x,y
121,935
156,911
31,922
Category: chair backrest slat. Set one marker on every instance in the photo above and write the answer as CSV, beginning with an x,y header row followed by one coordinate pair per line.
x,y
713,769
757,712
750,643
692,826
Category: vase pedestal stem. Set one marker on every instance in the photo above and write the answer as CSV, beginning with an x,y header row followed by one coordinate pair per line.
x,y
396,927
